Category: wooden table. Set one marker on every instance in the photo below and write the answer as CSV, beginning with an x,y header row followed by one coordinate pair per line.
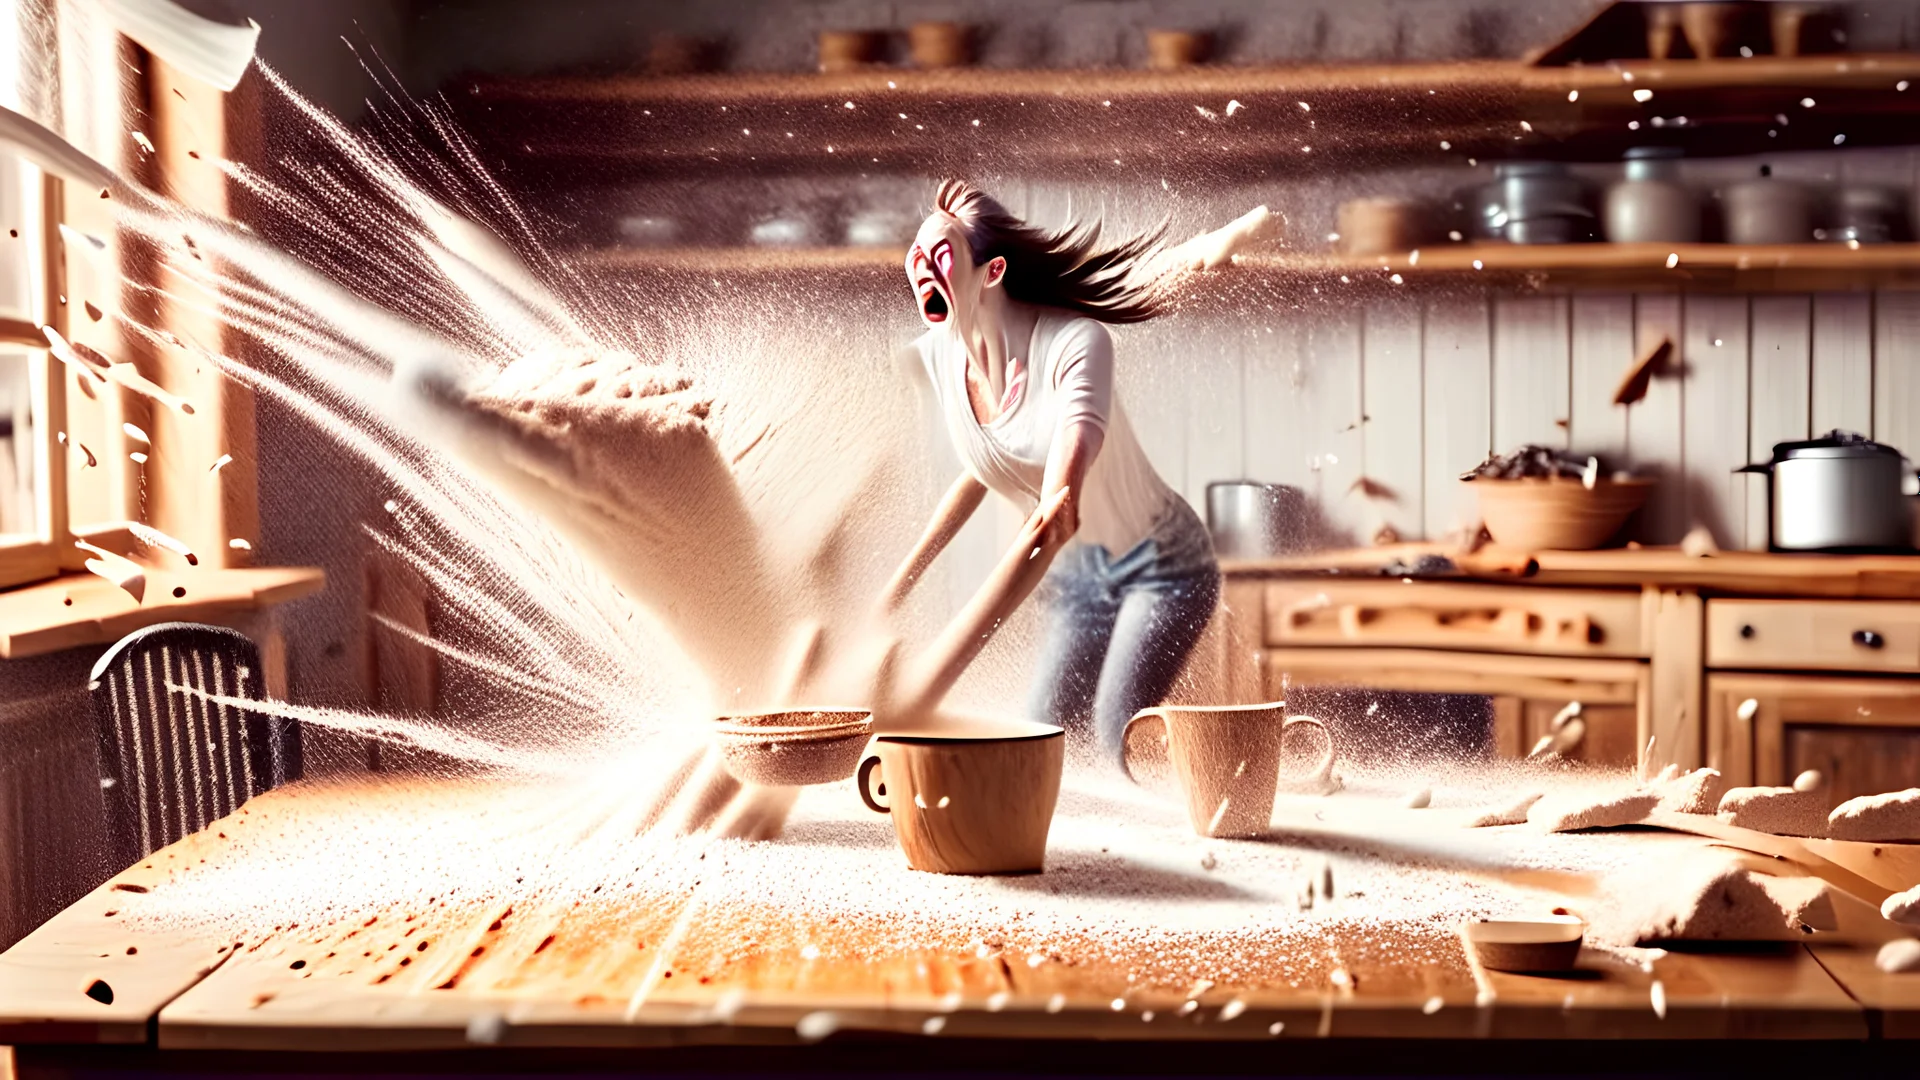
x,y
645,970
1663,650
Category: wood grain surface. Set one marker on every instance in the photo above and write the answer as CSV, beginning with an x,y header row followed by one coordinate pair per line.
x,y
661,967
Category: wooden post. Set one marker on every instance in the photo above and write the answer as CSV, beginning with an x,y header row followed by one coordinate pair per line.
x,y
190,499
1675,719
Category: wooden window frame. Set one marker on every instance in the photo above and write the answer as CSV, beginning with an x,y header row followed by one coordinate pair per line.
x,y
42,553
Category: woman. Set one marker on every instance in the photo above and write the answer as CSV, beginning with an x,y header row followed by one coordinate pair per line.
x,y
1021,369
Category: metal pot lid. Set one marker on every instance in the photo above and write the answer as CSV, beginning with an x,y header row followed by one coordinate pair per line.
x,y
1834,444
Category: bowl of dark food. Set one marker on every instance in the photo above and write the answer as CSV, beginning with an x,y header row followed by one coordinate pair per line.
x,y
1542,944
1541,499
790,747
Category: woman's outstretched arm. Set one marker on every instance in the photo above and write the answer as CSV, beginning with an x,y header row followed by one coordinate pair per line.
x,y
961,500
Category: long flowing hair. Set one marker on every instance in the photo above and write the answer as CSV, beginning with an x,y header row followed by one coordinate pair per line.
x,y
1063,269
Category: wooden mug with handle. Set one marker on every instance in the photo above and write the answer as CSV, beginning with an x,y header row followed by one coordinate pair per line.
x,y
968,798
1228,761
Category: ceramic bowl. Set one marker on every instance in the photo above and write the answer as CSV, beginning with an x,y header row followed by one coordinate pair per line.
x,y
793,747
1537,514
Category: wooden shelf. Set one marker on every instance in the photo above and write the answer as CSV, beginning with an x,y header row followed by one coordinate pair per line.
x,y
82,609
1694,267
576,131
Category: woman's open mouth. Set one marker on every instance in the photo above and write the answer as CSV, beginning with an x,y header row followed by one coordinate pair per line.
x,y
933,306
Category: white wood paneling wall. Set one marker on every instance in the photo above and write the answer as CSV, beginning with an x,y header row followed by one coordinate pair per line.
x,y
1410,394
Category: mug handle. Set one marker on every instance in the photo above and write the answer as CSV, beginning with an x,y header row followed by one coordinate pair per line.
x,y
863,780
1324,770
1156,713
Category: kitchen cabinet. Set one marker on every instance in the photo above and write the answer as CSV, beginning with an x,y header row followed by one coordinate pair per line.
x,y
1661,650
1861,732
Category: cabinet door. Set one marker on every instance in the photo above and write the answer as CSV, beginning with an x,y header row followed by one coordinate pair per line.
x,y
1862,733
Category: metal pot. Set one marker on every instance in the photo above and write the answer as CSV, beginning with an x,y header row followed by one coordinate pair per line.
x,y
1250,520
1840,492
1536,202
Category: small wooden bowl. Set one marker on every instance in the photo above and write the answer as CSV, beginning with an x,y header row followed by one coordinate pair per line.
x,y
1548,943
793,747
1556,514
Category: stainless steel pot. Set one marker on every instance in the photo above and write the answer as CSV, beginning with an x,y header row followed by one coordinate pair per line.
x,y
1840,492
1250,520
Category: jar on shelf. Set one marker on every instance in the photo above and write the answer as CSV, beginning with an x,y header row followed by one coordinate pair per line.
x,y
1766,210
1651,205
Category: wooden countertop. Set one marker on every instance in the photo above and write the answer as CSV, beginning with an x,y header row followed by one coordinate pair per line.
x,y
1752,573
562,973
82,609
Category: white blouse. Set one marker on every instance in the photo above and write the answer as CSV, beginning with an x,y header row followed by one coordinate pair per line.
x,y
1065,376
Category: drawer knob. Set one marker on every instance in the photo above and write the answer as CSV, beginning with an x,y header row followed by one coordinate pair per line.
x,y
1746,630
1868,639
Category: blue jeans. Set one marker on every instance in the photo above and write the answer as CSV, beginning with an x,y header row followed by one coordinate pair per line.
x,y
1119,630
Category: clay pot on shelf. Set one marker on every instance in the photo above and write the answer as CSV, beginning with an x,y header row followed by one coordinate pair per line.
x,y
849,50
1663,28
1380,226
1556,514
1768,211
1170,50
1713,29
1652,205
1799,28
940,44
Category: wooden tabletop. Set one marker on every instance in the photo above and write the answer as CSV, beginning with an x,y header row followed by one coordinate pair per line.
x,y
1755,573
659,969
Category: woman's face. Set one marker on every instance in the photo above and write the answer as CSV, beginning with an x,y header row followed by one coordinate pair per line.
x,y
946,285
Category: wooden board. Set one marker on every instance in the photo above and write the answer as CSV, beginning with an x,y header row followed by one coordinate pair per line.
x,y
1458,425
1531,367
1655,426
1842,363
1602,352
1393,444
1896,370
1714,428
1779,393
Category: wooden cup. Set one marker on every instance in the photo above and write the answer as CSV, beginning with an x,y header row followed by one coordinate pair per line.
x,y
849,50
974,799
1228,761
940,44
1171,50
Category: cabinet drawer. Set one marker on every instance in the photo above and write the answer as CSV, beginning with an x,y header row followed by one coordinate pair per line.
x,y
1445,615
1814,635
